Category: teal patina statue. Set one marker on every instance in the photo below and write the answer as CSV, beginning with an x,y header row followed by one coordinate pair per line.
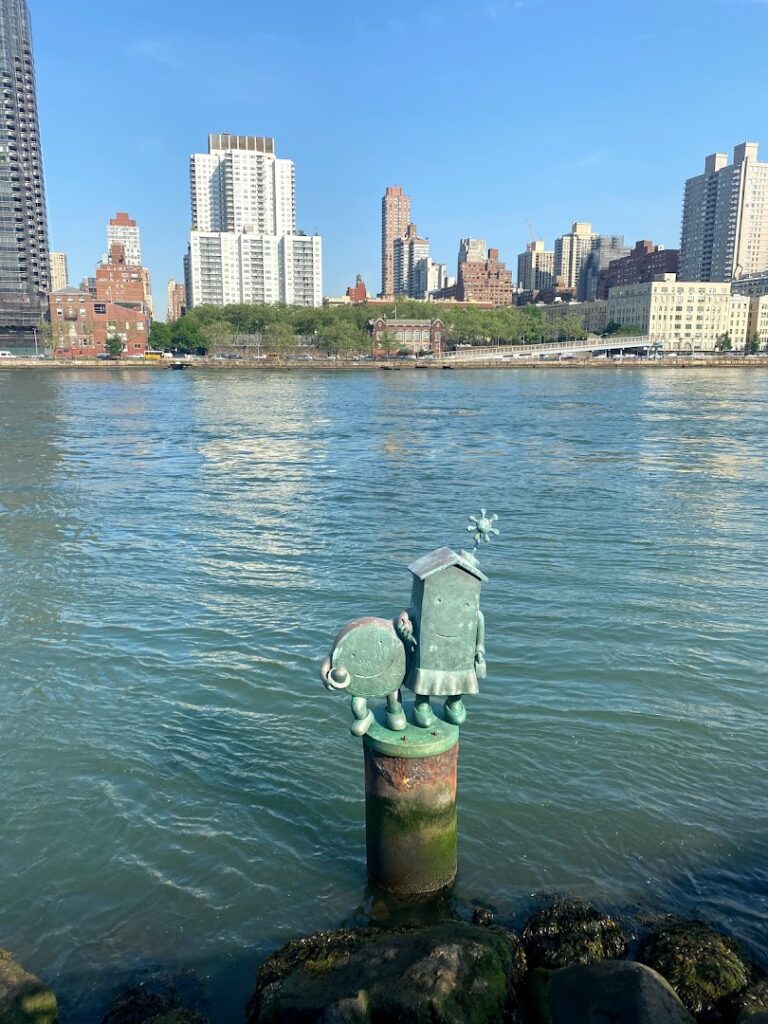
x,y
435,648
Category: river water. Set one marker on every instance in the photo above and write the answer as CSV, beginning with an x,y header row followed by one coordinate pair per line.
x,y
177,550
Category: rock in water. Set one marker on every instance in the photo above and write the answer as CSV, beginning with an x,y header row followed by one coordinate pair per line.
x,y
155,1000
701,965
614,990
24,999
570,932
749,1006
453,973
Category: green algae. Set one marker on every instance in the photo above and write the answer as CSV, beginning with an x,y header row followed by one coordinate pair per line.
x,y
701,965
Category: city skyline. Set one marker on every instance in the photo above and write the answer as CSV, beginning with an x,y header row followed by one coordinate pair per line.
x,y
624,174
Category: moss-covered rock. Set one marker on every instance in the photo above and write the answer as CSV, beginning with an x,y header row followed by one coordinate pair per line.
x,y
454,973
748,1006
156,1001
24,999
701,965
570,932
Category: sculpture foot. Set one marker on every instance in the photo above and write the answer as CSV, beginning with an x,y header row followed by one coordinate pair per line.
x,y
363,718
396,720
455,712
361,726
423,715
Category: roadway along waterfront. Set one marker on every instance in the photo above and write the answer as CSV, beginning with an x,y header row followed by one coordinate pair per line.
x,y
177,551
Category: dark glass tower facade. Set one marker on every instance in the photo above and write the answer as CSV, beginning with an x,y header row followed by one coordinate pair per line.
x,y
24,271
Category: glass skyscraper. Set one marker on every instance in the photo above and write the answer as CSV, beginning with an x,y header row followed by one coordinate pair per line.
x,y
24,270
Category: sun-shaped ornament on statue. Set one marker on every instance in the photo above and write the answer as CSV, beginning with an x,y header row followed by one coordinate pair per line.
x,y
482,528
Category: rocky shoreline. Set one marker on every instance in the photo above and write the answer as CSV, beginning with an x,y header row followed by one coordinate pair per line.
x,y
570,963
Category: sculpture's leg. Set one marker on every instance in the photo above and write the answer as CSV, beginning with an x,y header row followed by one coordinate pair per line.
x,y
455,712
423,714
396,720
363,718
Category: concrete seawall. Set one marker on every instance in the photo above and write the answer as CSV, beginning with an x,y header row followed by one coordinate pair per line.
x,y
392,365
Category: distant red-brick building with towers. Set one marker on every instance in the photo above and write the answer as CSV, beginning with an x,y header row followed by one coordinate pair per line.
x,y
482,276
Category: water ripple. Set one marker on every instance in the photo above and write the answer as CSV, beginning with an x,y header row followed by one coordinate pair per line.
x,y
178,550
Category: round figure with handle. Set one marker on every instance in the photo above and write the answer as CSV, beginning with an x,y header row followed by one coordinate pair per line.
x,y
368,660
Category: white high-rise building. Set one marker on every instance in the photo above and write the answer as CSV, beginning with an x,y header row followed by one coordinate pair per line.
x,y
122,230
243,246
725,218
536,268
429,277
571,251
409,250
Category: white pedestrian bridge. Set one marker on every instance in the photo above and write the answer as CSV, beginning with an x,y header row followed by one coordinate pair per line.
x,y
581,346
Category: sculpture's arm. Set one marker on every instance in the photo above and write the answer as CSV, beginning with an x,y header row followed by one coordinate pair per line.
x,y
333,678
404,629
480,646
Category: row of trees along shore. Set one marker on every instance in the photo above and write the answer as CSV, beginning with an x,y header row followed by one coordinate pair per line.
x,y
341,330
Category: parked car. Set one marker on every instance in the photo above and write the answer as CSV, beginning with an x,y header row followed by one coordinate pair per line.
x,y
7,355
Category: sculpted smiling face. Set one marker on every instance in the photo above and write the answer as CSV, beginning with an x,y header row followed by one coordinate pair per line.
x,y
448,623
372,654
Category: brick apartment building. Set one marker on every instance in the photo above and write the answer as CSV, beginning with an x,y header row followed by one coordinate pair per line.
x,y
81,323
358,292
643,264
486,281
119,281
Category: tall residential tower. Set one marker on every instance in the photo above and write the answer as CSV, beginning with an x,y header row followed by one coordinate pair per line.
x,y
536,268
571,251
395,218
725,218
24,271
244,246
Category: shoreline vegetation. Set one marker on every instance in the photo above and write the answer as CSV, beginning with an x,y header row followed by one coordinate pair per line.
x,y
442,962
703,361
342,330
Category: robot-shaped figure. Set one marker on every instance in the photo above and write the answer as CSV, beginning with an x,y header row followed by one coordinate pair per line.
x,y
435,648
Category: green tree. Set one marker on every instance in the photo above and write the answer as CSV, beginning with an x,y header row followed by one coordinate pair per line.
x,y
46,334
278,337
160,336
571,326
389,341
113,346
614,328
753,345
724,343
216,335
341,339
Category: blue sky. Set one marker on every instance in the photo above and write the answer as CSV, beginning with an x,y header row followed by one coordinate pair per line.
x,y
489,114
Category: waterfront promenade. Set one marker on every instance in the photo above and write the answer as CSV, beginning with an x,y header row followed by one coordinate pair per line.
x,y
452,362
